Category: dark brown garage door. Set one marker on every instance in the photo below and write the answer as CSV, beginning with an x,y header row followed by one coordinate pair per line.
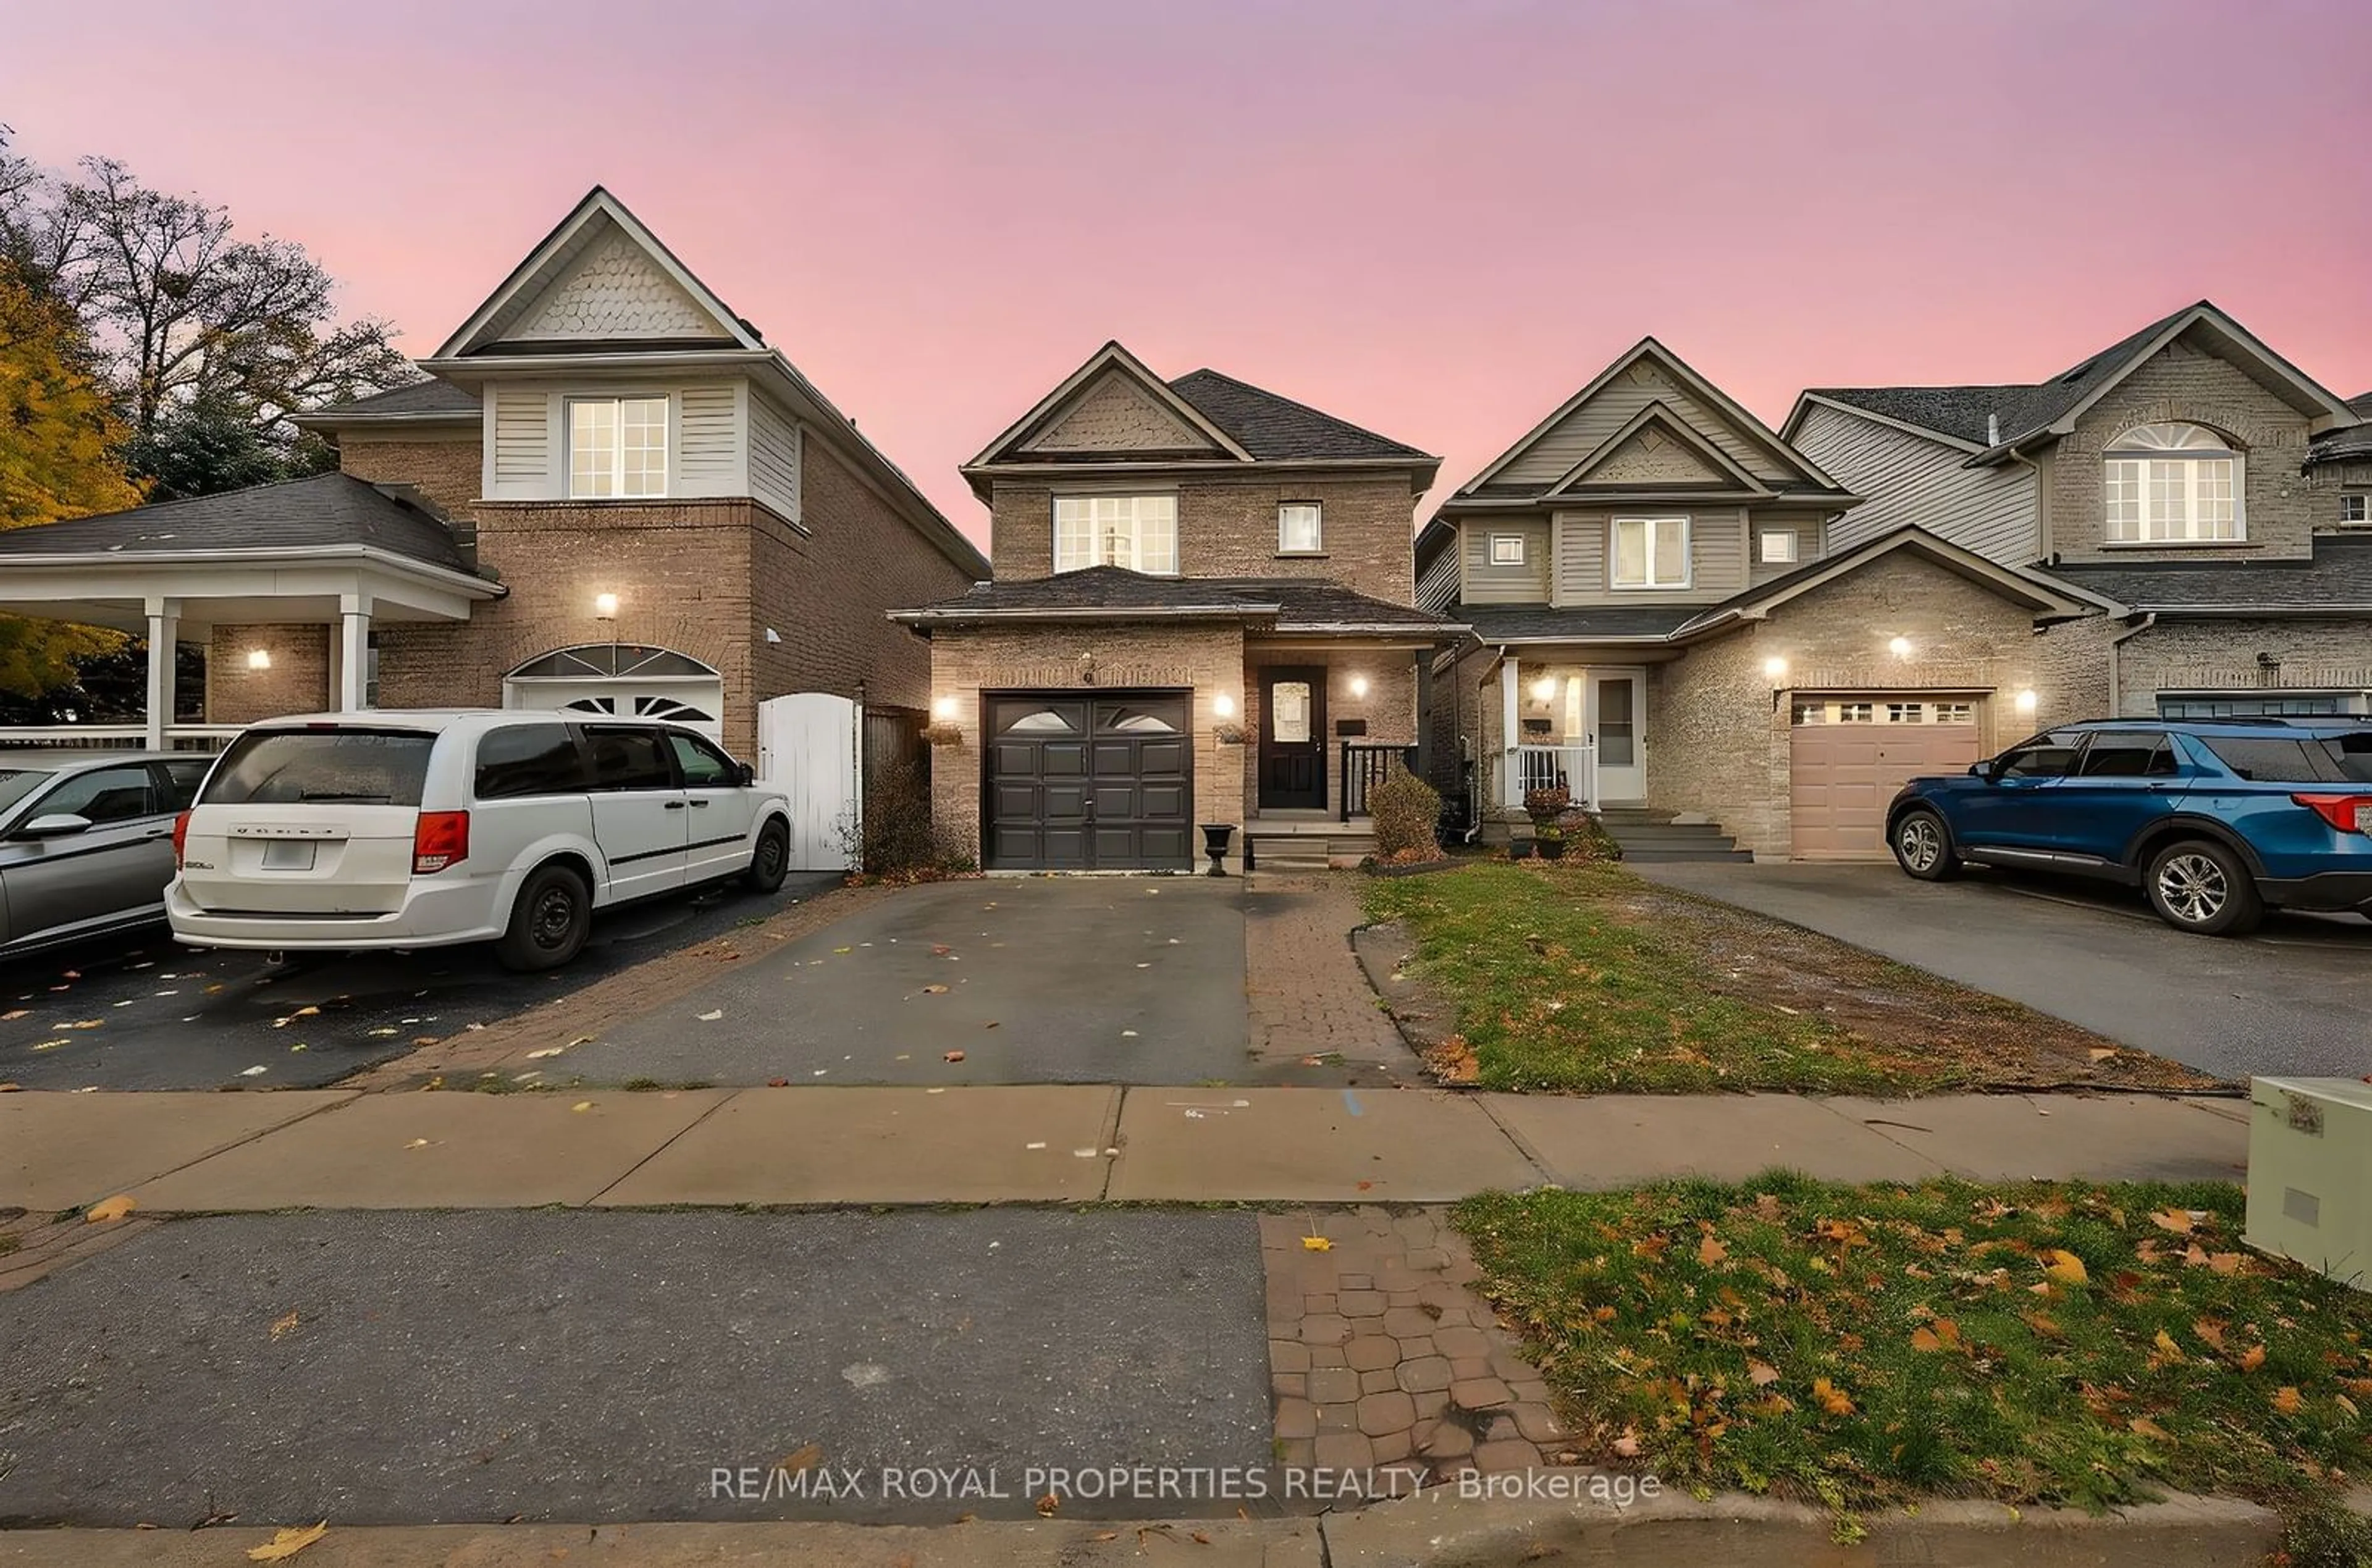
x,y
1089,782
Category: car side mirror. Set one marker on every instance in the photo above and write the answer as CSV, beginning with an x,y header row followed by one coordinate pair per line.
x,y
1982,771
744,774
55,825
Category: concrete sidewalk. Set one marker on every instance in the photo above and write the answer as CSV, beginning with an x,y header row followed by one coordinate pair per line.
x,y
212,1153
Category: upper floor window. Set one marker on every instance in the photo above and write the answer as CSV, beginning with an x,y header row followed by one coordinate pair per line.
x,y
1506,549
1651,552
2172,484
1297,530
1139,532
1778,547
617,446
2356,509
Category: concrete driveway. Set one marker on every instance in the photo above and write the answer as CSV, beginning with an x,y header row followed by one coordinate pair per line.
x,y
2289,1000
1036,981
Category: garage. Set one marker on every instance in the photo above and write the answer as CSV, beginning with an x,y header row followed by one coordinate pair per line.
x,y
1848,755
1101,782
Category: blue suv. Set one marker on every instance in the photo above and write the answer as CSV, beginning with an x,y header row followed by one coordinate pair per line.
x,y
2215,819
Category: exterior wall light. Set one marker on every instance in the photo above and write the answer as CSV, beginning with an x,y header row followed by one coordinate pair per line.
x,y
2025,701
1544,689
1899,647
605,607
1358,686
258,658
1775,668
944,708
1222,704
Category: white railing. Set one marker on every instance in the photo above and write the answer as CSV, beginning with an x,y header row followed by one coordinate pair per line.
x,y
1573,768
113,736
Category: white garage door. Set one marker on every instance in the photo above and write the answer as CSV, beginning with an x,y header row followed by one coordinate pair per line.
x,y
1850,754
624,682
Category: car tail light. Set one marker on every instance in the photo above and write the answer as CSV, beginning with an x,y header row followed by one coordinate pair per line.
x,y
181,838
2348,813
442,838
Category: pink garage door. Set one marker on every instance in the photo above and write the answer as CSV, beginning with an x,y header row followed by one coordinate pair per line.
x,y
1849,756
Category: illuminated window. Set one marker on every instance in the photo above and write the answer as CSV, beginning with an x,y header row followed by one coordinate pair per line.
x,y
617,446
2172,484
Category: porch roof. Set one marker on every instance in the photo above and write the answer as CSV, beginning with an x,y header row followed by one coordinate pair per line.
x,y
1311,605
1577,623
327,509
2337,580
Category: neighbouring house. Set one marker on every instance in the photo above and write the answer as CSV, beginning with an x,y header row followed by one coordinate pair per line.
x,y
1202,613
2208,496
611,496
1670,622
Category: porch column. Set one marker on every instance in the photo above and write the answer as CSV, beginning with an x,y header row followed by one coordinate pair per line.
x,y
1511,726
353,649
164,630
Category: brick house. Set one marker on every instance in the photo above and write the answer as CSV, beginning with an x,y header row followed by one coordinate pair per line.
x,y
1668,623
1200,613
2206,495
611,494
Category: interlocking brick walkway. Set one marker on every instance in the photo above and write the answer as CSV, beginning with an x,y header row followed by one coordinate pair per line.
x,y
1304,989
1381,1354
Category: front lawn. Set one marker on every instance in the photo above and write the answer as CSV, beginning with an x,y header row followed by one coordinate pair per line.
x,y
1860,1345
1586,979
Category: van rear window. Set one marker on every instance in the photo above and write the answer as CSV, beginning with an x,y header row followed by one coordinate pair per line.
x,y
289,767
2315,759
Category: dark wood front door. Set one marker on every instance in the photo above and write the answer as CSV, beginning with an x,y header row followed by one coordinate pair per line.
x,y
1293,738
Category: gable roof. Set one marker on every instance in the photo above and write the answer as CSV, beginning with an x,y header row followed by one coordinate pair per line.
x,y
1660,416
328,509
595,217
1114,358
1272,427
1115,593
416,402
1993,420
1736,415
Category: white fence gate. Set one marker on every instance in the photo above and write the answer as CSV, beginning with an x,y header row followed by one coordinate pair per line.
x,y
808,749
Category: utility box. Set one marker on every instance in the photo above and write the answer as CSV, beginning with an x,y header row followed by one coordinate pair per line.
x,y
2311,1174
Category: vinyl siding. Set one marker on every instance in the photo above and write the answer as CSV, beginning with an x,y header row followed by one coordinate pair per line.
x,y
1717,556
1486,584
1805,527
708,441
1437,589
1588,427
1910,480
773,458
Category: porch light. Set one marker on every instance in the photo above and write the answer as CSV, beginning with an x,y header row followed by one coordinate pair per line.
x,y
605,607
1358,686
1899,647
945,708
1776,668
258,658
1222,704
1544,688
2025,701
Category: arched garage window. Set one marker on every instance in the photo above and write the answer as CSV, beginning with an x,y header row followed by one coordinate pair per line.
x,y
2172,484
609,659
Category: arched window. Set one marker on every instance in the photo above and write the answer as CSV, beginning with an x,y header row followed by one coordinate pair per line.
x,y
2172,484
609,659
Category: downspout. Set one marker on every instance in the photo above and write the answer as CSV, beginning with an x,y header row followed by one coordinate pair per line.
x,y
2116,645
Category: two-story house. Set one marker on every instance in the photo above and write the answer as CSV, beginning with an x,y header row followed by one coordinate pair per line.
x,y
1664,619
611,495
1200,613
2209,497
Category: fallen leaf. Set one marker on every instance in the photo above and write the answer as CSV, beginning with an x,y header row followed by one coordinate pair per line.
x,y
1925,1340
778,1083
2225,1262
803,1457
1105,1535
2167,1351
286,1325
2210,1332
1627,1445
287,1543
2286,1399
2046,1326
1710,1252
1049,1506
2064,1265
2252,1358
51,1044
113,1209
86,1024
1316,1244
2175,1220
2343,1402
1763,1373
2102,1052
952,1056
934,989
2143,1427
1831,1397
12,1018
710,1017
581,1105
12,1088
417,1144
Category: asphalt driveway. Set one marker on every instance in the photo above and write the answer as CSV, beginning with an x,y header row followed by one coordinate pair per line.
x,y
1035,981
2290,1000
142,1012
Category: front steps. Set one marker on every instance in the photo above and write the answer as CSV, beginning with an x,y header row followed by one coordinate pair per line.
x,y
1652,835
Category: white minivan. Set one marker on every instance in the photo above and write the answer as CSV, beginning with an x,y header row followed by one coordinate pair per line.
x,y
421,829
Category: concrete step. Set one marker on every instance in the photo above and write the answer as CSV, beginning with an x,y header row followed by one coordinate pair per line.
x,y
1649,831
1718,849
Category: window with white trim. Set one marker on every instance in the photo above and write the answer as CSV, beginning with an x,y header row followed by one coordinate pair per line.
x,y
1778,547
617,446
2355,511
2172,484
1139,532
1506,549
1650,552
1298,530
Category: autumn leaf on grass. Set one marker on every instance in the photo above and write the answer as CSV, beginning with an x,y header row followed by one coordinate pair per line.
x,y
2168,1353
1627,1445
2045,1326
1944,1335
2175,1220
287,1543
2211,1333
2286,1400
1710,1252
2064,1265
1761,1373
2252,1358
1831,1397
2143,1427
113,1209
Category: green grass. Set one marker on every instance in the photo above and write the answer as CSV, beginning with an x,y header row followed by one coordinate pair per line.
x,y
1559,988
2037,1343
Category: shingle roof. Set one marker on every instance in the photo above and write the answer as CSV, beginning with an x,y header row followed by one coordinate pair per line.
x,y
1579,623
2338,576
414,400
1269,426
2347,445
327,509
1958,412
1289,601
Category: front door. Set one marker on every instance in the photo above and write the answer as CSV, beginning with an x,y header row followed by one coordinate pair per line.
x,y
1617,729
1292,739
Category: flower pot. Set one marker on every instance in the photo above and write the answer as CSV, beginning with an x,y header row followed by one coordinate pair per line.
x,y
1550,849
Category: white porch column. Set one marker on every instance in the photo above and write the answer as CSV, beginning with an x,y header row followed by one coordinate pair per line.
x,y
354,651
1511,728
164,630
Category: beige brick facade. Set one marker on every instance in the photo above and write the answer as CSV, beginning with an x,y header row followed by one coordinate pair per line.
x,y
296,682
2229,656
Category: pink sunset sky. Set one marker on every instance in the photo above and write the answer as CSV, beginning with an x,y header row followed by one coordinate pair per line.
x,y
1436,220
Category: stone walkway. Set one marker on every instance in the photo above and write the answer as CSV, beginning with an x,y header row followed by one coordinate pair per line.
x,y
1304,993
1381,1355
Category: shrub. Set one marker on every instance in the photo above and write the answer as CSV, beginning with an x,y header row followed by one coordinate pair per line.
x,y
1545,806
901,839
1408,814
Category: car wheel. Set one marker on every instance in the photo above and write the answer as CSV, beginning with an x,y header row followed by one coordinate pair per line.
x,y
771,859
2200,886
548,921
1923,846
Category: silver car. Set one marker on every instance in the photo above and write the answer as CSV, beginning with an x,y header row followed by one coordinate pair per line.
x,y
86,841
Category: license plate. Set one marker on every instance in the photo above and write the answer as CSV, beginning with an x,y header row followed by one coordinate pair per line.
x,y
289,855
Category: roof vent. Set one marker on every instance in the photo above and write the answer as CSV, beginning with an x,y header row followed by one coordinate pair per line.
x,y
1993,430
2076,375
